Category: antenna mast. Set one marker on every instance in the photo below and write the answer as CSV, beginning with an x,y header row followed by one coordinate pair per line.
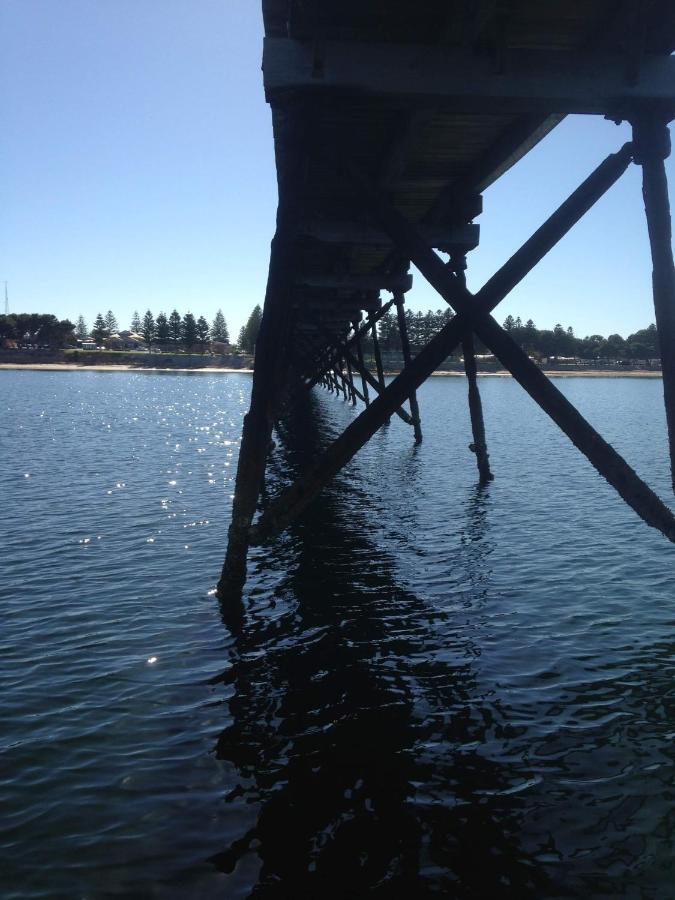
x,y
6,301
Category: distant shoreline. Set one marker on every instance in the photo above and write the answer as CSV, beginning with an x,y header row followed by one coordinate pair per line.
x,y
73,367
500,373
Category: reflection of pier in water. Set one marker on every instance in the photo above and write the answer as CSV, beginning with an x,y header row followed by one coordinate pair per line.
x,y
359,731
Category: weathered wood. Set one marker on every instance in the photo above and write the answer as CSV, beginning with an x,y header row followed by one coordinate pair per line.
x,y
356,282
352,391
399,299
458,79
376,353
462,238
350,379
362,371
377,387
295,499
556,226
378,358
458,196
637,494
272,357
601,455
479,445
288,506
334,379
361,332
400,146
268,379
342,379
652,146
477,15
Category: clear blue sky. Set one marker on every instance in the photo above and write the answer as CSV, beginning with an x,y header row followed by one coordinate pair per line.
x,y
138,171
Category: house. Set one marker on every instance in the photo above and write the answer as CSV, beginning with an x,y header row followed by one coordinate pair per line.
x,y
125,340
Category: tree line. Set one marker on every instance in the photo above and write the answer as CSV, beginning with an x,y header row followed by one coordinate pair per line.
x,y
558,341
172,331
36,328
187,332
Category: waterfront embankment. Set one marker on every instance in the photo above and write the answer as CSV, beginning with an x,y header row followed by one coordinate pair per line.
x,y
215,369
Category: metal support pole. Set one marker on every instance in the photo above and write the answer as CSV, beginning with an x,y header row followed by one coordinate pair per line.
x,y
651,140
399,299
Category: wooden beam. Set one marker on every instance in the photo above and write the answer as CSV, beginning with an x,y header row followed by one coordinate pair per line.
x,y
288,506
362,331
405,349
400,147
272,359
476,16
479,445
461,239
652,146
457,79
512,144
347,282
557,225
360,367
362,370
376,353
600,454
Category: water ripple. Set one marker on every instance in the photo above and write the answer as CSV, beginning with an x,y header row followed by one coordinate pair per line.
x,y
432,690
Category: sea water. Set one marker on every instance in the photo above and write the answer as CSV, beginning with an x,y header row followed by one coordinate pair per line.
x,y
431,688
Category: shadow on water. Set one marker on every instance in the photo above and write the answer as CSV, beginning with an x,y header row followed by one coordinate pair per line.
x,y
359,732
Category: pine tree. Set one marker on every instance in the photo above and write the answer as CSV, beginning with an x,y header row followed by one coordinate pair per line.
x,y
100,330
219,331
111,322
148,329
162,331
188,331
81,329
249,332
202,332
175,324
390,339
136,323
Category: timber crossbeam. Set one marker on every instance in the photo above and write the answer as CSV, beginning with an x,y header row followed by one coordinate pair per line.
x,y
458,79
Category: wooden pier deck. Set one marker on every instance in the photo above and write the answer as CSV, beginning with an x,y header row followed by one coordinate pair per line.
x,y
390,119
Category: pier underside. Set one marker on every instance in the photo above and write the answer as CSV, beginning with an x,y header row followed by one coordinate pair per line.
x,y
389,122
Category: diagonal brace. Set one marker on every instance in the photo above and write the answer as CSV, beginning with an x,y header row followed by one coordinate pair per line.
x,y
474,315
361,332
377,387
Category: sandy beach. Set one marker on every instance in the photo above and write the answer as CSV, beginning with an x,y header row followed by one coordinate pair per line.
x,y
72,367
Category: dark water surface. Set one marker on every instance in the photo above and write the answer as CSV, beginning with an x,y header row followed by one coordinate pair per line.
x,y
433,690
